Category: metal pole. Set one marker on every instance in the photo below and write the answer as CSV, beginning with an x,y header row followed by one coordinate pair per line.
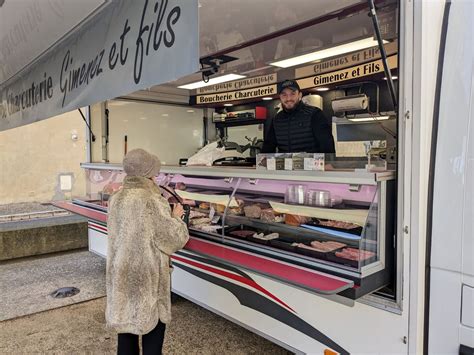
x,y
383,54
91,134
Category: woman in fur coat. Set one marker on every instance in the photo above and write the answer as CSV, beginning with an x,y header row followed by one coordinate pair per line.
x,y
143,233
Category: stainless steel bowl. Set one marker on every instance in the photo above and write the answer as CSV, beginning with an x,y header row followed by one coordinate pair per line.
x,y
295,194
320,198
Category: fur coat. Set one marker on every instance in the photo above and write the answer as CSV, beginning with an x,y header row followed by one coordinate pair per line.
x,y
142,236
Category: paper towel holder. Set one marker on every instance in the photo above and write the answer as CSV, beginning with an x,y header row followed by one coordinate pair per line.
x,y
357,102
343,106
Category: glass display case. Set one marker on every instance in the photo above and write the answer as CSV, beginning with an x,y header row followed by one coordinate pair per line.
x,y
338,223
341,223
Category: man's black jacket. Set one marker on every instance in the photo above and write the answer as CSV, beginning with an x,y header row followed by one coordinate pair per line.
x,y
304,129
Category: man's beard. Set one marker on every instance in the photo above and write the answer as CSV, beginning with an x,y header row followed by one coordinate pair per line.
x,y
292,108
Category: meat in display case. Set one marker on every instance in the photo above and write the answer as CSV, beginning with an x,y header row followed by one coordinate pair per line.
x,y
328,232
343,228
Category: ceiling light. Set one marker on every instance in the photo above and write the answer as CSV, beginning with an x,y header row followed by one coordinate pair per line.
x,y
143,118
322,89
189,111
326,53
267,98
368,119
212,81
228,105
116,102
394,77
164,115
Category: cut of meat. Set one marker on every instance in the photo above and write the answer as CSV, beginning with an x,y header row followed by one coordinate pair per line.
x,y
237,210
242,233
252,211
269,215
337,245
327,246
208,228
301,245
204,206
199,221
295,220
338,224
196,214
266,237
271,236
355,254
280,218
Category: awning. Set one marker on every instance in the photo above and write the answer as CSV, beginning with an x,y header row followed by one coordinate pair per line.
x,y
58,55
112,48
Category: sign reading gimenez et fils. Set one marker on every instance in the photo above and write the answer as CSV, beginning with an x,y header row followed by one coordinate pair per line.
x,y
236,95
239,84
359,71
345,61
127,46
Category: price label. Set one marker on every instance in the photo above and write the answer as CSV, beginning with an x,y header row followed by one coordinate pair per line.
x,y
271,164
212,213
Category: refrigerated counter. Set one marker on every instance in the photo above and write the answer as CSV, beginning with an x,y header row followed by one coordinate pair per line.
x,y
269,222
265,254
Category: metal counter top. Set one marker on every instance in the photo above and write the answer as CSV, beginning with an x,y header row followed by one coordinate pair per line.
x,y
334,176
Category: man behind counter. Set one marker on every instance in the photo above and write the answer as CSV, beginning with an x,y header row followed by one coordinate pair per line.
x,y
298,127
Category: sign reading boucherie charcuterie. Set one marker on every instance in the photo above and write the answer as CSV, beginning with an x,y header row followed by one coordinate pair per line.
x,y
239,84
348,60
236,95
127,46
359,71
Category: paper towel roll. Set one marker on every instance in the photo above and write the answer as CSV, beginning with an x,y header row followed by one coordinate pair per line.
x,y
350,103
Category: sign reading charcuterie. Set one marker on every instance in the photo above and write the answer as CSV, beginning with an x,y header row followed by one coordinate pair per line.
x,y
359,71
235,95
345,61
127,46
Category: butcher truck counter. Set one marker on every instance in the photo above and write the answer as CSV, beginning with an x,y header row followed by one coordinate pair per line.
x,y
265,254
272,222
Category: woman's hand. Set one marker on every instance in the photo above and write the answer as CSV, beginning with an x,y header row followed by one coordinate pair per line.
x,y
178,211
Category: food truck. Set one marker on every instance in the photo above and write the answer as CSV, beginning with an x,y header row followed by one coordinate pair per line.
x,y
367,250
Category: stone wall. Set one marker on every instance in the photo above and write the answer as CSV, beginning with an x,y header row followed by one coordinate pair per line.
x,y
49,235
41,161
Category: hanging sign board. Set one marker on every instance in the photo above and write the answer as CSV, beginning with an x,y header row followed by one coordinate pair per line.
x,y
348,60
239,84
215,98
359,71
129,45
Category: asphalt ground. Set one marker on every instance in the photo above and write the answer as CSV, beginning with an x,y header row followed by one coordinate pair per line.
x,y
38,324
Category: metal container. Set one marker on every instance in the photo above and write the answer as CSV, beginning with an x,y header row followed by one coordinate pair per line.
x,y
295,194
320,198
335,201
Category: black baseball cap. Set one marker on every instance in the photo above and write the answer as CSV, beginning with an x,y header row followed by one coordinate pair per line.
x,y
288,84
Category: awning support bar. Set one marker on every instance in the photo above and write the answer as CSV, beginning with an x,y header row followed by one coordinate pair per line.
x,y
383,54
88,126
